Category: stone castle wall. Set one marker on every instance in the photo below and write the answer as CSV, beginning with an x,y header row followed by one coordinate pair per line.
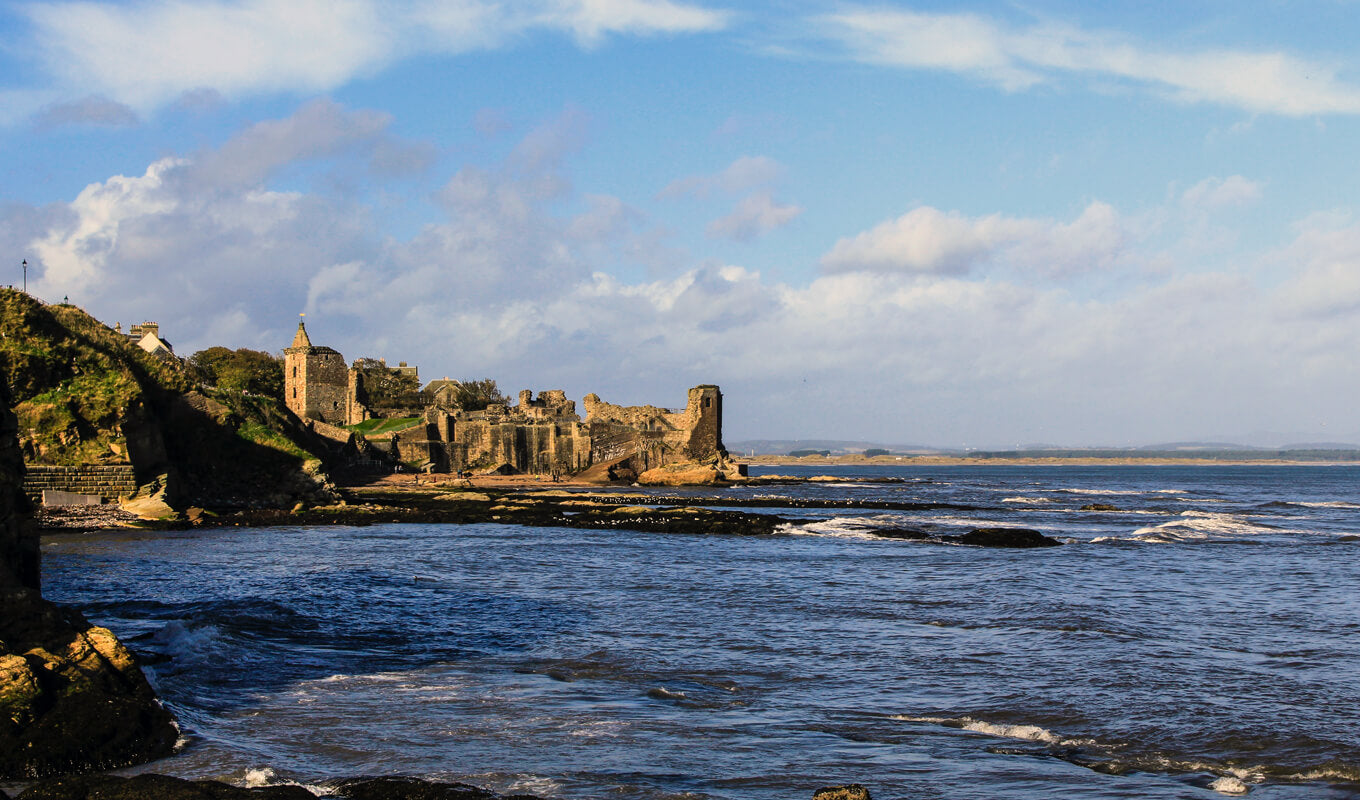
x,y
542,434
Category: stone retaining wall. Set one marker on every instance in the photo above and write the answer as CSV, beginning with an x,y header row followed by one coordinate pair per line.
x,y
110,481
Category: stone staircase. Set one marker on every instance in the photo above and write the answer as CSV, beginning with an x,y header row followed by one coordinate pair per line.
x,y
109,481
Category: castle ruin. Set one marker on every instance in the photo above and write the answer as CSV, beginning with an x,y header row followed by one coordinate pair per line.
x,y
540,434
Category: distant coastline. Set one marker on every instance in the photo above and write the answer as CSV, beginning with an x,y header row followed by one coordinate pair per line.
x,y
1344,458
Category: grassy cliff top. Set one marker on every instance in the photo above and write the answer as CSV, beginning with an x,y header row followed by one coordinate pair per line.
x,y
75,381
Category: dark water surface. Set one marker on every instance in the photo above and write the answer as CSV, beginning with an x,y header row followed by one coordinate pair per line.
x,y
1201,640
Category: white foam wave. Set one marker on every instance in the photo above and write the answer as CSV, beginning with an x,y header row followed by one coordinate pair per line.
x,y
1346,772
1116,492
1028,733
838,527
186,643
1229,785
1194,526
265,776
256,778
1328,504
1028,501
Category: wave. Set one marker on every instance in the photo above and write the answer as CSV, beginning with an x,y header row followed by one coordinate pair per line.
x,y
1118,758
1118,492
1029,501
1028,733
1200,526
837,527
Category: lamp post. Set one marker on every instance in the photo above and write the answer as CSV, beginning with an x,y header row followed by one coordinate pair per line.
x,y
25,276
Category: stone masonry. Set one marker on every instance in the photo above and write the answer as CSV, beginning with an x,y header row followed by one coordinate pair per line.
x,y
542,434
109,481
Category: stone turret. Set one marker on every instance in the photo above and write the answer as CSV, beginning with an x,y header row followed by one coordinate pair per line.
x,y
704,411
315,380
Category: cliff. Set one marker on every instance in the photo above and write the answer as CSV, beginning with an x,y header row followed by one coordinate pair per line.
x,y
71,696
85,394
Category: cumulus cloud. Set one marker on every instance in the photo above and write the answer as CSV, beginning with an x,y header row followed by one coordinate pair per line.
x,y
512,278
756,214
150,52
926,240
1215,193
1019,57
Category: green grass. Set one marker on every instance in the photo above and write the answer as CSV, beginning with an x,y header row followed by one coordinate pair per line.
x,y
264,436
380,426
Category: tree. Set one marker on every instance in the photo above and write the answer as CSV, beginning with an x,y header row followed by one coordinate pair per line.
x,y
875,451
243,371
383,388
477,395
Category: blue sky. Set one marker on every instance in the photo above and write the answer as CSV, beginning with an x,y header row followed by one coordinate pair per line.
x,y
982,224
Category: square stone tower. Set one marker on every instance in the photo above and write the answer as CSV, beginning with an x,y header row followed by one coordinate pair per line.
x,y
315,380
704,412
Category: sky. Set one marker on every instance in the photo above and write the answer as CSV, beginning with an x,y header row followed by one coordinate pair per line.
x,y
980,224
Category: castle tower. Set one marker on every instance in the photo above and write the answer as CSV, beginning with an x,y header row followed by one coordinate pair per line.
x,y
315,380
704,410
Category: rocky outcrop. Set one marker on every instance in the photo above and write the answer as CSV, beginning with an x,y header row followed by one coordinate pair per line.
x,y
1007,537
686,474
164,787
852,792
978,537
18,536
71,696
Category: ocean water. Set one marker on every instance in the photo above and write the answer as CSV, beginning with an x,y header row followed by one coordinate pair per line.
x,y
1201,641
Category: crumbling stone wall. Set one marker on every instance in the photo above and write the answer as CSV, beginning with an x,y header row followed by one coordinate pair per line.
x,y
541,434
703,419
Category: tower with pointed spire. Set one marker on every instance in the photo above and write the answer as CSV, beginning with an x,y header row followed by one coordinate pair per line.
x,y
315,380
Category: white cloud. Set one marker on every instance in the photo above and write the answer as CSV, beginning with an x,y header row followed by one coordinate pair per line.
x,y
149,52
755,215
926,240
1016,58
1215,193
1323,264
949,339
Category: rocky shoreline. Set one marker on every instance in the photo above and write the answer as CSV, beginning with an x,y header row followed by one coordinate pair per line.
x,y
532,505
74,701
164,787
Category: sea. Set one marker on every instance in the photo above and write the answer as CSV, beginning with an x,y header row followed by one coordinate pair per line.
x,y
1197,636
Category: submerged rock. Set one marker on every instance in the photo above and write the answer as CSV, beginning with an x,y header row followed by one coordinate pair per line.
x,y
1006,537
402,788
900,533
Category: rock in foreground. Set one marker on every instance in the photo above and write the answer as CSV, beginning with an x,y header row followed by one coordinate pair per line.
x,y
164,787
72,698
